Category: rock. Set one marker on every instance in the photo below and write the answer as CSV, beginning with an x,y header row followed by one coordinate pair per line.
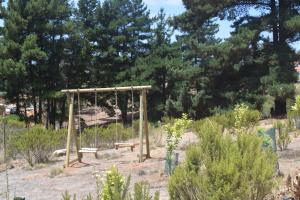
x,y
59,153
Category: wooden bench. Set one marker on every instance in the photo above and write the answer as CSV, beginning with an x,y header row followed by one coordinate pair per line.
x,y
123,145
89,150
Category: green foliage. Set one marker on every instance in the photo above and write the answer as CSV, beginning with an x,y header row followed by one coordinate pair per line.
x,y
67,196
14,121
267,106
283,130
266,139
142,192
239,120
223,167
244,118
36,144
295,109
114,187
175,132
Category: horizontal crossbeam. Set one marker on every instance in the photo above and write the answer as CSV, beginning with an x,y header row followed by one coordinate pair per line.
x,y
111,89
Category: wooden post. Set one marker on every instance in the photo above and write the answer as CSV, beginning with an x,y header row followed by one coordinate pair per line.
x,y
146,130
70,127
141,127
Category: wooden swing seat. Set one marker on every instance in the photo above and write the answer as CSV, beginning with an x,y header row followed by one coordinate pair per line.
x,y
88,150
123,145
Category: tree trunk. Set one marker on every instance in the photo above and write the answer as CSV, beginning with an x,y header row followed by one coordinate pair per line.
x,y
283,9
274,22
34,109
63,113
48,114
123,105
17,104
40,109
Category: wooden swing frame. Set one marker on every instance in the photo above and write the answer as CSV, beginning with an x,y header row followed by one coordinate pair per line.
x,y
143,121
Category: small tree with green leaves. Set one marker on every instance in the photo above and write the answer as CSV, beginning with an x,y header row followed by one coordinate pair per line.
x,y
283,130
174,131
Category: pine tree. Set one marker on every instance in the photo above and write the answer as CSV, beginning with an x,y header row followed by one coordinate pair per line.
x,y
34,39
123,34
248,65
157,68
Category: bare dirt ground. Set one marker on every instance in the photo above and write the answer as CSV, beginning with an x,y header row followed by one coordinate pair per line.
x,y
39,184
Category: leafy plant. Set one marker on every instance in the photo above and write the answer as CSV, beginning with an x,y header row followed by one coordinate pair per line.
x,y
175,131
67,196
113,186
37,143
142,192
224,167
283,129
244,118
266,139
296,107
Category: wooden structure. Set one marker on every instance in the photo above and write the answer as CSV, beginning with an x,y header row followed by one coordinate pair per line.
x,y
143,122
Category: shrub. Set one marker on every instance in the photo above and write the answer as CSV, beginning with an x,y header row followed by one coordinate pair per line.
x,y
267,106
224,120
283,129
224,167
142,192
266,139
244,118
36,144
113,186
295,109
175,132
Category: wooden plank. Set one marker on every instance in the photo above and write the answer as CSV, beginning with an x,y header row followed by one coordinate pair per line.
x,y
87,148
110,89
141,127
68,146
87,151
146,130
123,145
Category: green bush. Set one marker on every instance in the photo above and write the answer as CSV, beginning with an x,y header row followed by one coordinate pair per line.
x,y
113,186
142,192
224,167
36,144
267,106
283,130
14,121
239,120
244,118
295,109
175,131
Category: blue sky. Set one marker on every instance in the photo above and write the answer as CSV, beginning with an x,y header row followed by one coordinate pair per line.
x,y
175,7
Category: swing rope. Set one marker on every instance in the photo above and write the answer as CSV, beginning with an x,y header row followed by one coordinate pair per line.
x,y
95,112
79,118
132,110
116,106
